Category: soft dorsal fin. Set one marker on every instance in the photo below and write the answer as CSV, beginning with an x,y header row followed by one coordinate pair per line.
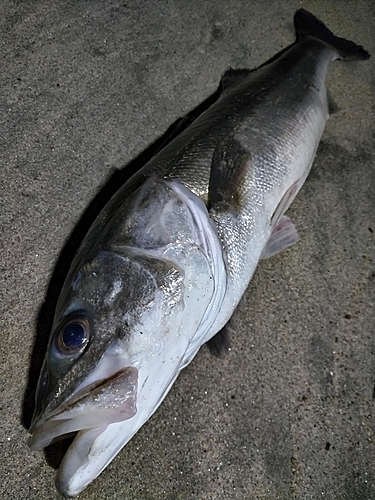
x,y
333,108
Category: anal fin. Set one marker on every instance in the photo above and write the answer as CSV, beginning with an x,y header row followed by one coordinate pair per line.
x,y
283,236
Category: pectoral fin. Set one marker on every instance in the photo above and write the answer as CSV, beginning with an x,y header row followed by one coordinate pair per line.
x,y
230,163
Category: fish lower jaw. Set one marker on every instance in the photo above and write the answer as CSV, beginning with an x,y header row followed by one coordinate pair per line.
x,y
55,429
99,404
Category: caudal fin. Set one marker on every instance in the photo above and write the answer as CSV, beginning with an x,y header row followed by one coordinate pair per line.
x,y
307,25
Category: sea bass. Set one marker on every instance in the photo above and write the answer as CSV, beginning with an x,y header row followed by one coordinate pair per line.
x,y
164,266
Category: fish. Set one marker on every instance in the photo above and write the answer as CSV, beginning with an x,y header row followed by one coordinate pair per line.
x,y
167,261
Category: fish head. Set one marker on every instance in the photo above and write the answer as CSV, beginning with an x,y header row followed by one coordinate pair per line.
x,y
126,320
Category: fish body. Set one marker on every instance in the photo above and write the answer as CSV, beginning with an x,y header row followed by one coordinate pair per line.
x,y
166,263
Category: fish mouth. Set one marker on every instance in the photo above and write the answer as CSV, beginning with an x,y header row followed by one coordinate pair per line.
x,y
95,404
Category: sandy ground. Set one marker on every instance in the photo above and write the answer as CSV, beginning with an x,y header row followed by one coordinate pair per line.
x,y
86,87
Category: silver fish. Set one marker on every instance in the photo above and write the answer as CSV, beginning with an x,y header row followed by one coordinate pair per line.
x,y
165,264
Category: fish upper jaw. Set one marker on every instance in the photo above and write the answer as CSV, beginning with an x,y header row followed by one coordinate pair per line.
x,y
107,395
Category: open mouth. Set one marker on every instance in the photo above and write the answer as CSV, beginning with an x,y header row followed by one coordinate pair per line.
x,y
96,405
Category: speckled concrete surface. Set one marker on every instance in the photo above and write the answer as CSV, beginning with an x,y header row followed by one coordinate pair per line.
x,y
86,86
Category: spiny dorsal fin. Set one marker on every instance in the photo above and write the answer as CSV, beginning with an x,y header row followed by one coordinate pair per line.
x,y
232,77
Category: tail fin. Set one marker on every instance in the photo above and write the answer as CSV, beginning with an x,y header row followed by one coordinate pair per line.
x,y
307,25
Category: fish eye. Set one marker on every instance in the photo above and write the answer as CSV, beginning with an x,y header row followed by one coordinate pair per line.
x,y
73,336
